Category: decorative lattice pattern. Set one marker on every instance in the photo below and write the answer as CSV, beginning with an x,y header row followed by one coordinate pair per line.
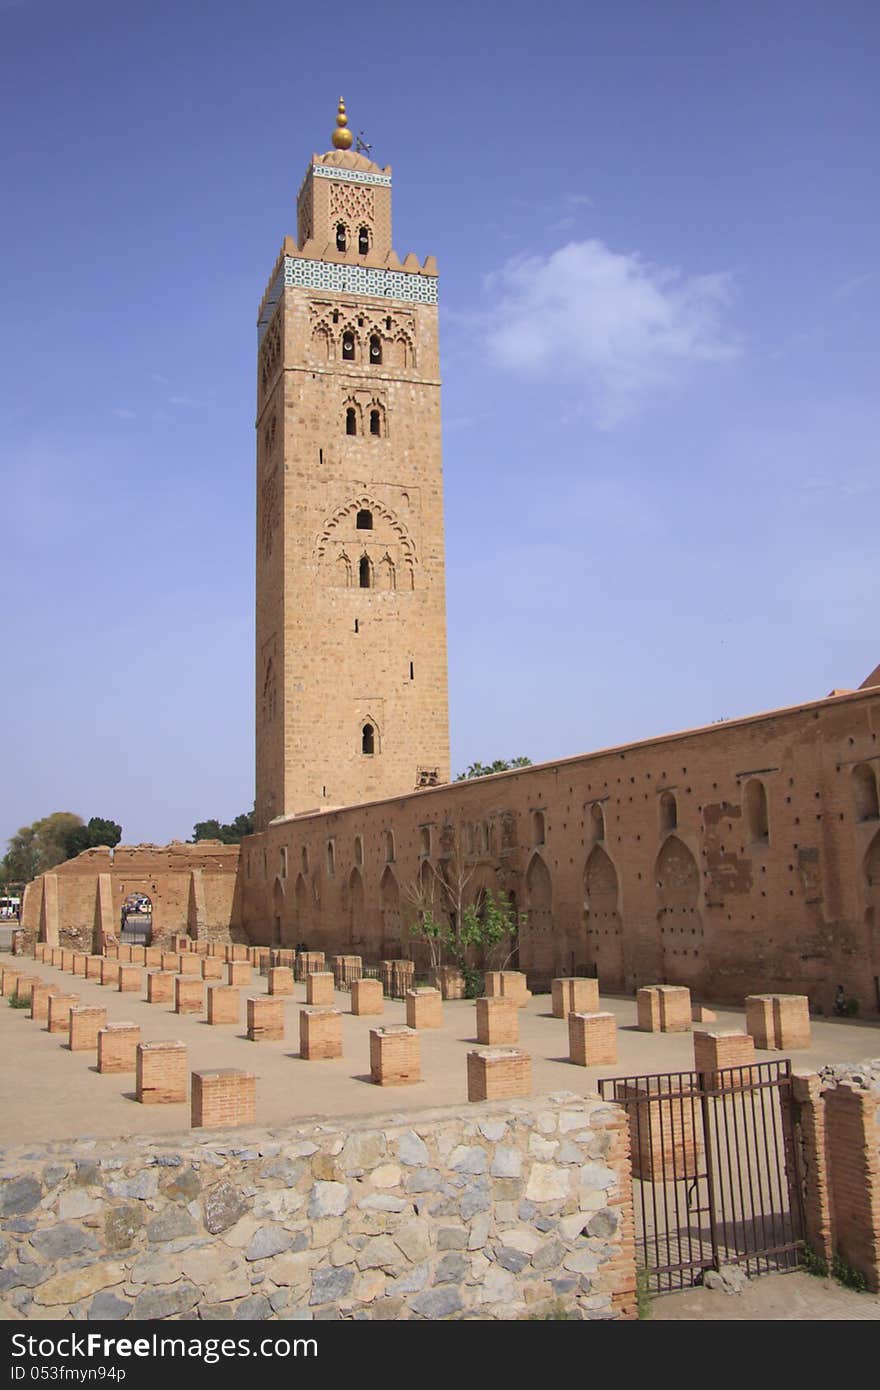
x,y
323,171
353,204
357,279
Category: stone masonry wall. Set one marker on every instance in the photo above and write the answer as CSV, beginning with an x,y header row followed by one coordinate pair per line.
x,y
496,1211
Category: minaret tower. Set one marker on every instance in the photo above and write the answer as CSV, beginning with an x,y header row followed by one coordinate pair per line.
x,y
351,683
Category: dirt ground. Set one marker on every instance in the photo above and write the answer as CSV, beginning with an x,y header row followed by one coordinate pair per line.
x,y
792,1297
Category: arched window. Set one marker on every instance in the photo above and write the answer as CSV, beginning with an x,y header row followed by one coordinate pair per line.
x,y
351,420
331,857
425,836
668,813
304,859
375,350
597,823
537,827
358,849
365,573
364,521
348,347
368,739
363,241
757,820
341,237
389,846
865,792
375,422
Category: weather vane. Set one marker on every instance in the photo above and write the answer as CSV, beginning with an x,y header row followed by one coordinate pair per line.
x,y
362,147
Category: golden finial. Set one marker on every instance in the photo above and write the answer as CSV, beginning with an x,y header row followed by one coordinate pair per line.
x,y
342,138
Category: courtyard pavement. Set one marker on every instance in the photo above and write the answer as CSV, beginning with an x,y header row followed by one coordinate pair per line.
x,y
49,1092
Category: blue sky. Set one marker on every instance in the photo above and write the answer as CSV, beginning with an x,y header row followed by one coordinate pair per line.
x,y
657,230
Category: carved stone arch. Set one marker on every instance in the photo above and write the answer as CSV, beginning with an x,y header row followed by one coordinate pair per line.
x,y
400,350
366,502
679,922
351,402
344,571
367,721
387,572
377,407
322,343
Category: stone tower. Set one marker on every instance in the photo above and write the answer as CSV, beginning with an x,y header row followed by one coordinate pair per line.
x,y
351,684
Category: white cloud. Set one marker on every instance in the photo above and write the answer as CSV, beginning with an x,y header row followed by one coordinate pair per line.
x,y
616,325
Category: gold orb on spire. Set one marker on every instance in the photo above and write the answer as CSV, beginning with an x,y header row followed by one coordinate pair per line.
x,y
342,138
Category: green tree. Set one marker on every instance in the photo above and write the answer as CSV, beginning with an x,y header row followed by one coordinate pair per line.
x,y
38,847
98,832
499,765
231,834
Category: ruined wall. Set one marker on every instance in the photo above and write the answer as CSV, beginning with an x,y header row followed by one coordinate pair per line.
x,y
192,888
498,1211
738,857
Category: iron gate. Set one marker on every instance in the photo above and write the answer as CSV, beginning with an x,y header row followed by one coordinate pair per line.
x,y
715,1177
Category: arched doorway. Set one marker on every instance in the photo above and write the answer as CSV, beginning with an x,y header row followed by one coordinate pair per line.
x,y
136,919
602,919
679,924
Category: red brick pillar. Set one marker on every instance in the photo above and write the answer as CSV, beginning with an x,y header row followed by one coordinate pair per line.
x,y
853,1136
812,1168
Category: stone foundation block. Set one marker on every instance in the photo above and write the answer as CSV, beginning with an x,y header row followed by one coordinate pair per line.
x,y
139,955
190,964
120,952
160,987
131,979
450,981
212,969
171,961
117,1047
395,1059
84,1027
189,994
778,1022
110,973
10,981
715,1049
153,957
161,1073
79,962
700,1014
223,1004
664,1009
592,1039
265,1018
665,1140
497,1020
225,1097
93,967
320,1034
499,1073
238,972
280,980
40,993
366,997
320,987
424,1008
575,994
58,1015
66,959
